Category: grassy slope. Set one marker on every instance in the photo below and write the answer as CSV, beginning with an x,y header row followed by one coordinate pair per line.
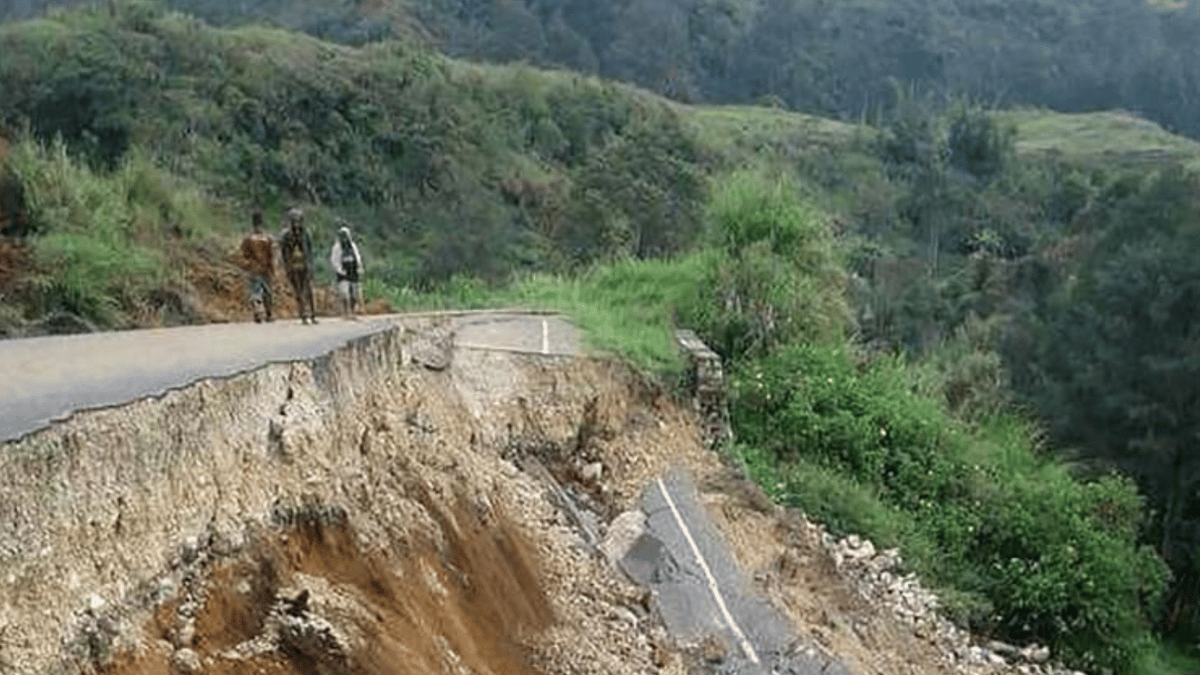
x,y
1111,135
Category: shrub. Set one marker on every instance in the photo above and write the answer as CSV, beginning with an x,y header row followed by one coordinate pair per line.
x,y
977,143
1054,558
774,276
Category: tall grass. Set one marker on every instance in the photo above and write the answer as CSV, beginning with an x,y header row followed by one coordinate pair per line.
x,y
103,239
628,307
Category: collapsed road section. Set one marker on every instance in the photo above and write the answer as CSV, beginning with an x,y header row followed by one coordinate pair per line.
x,y
671,547
371,510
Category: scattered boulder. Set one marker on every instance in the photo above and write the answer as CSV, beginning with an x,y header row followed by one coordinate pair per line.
x,y
622,533
878,576
186,662
591,473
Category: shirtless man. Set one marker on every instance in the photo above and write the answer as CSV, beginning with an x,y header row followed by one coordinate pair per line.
x,y
258,252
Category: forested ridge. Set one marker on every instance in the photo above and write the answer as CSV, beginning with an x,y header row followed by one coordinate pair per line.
x,y
954,326
819,56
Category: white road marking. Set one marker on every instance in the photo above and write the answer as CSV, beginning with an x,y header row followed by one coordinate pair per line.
x,y
712,582
545,337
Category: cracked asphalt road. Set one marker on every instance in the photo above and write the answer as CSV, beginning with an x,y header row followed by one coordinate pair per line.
x,y
48,378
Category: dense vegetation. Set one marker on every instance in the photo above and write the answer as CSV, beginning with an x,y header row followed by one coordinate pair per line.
x,y
895,299
809,55
406,144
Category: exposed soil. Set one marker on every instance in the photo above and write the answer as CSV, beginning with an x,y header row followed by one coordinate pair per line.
x,y
484,595
407,532
221,295
470,606
14,261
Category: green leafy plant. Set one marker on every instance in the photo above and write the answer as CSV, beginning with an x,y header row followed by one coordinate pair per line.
x,y
774,276
976,510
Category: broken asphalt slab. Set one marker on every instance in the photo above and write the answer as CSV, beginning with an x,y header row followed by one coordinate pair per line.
x,y
703,595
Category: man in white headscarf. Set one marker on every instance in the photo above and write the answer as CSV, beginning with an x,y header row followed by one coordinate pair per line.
x,y
347,268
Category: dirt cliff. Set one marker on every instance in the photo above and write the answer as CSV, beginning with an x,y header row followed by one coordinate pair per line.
x,y
392,507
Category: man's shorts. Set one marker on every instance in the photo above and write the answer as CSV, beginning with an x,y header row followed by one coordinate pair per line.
x,y
260,289
350,290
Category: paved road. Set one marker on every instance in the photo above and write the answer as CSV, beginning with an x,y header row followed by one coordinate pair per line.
x,y
701,592
47,378
516,332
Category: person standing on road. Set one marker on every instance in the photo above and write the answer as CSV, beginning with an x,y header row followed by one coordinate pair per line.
x,y
296,247
258,253
347,266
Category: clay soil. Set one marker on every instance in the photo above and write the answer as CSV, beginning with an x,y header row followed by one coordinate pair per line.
x,y
220,293
405,622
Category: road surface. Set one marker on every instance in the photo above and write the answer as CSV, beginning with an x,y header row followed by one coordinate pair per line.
x,y
47,378
702,594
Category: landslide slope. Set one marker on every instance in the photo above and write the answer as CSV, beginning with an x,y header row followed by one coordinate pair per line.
x,y
381,510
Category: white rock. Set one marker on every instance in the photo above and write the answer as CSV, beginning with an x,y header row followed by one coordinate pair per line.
x,y
624,615
190,550
866,549
185,633
622,533
592,472
1002,648
185,662
1036,653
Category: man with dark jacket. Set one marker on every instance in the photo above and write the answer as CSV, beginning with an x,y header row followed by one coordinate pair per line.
x,y
296,248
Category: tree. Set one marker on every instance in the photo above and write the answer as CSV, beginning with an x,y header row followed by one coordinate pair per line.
x,y
772,57
516,32
1121,362
565,47
772,277
653,49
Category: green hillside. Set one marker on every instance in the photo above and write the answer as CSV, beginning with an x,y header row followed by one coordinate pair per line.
x,y
445,167
1100,136
943,250
829,58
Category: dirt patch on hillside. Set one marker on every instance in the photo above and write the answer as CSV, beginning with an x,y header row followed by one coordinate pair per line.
x,y
307,598
219,293
14,262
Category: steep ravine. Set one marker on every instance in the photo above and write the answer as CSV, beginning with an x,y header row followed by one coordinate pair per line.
x,y
381,510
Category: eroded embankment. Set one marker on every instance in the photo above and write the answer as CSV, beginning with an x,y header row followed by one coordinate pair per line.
x,y
359,512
